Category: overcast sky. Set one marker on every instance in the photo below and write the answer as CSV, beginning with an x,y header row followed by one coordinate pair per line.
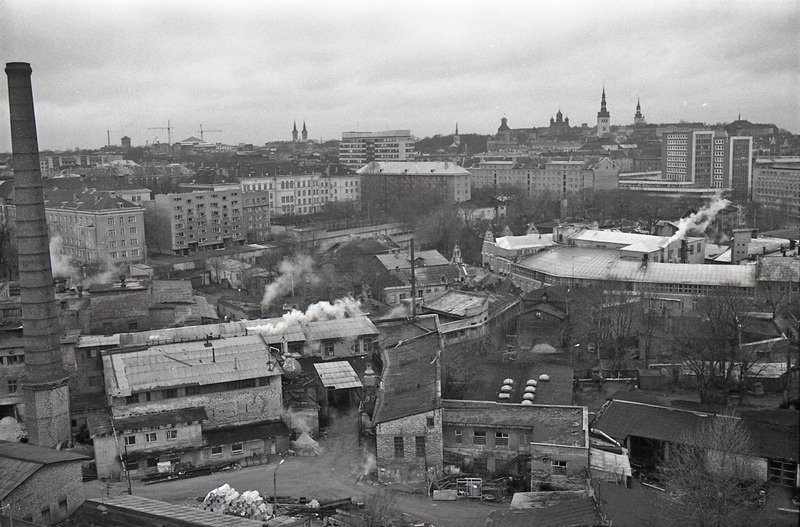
x,y
251,68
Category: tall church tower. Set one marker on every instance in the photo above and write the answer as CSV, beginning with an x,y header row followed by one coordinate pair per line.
x,y
294,132
44,384
638,118
456,137
305,132
603,117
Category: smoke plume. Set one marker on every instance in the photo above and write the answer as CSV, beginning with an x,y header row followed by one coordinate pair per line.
x,y
60,263
294,273
699,221
346,307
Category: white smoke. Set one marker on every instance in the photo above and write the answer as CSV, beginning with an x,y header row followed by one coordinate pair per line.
x,y
700,220
294,272
108,275
346,307
60,263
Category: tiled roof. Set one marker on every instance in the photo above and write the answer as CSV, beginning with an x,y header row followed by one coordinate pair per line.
x,y
154,420
605,264
338,375
87,201
409,382
187,363
171,292
19,461
779,269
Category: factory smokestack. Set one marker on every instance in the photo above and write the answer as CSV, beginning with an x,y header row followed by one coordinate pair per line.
x,y
44,384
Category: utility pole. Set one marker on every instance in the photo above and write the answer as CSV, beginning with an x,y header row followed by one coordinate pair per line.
x,y
413,285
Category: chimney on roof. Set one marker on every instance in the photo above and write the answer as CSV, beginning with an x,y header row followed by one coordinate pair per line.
x,y
44,384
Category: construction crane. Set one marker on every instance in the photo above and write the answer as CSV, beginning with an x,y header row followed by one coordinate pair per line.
x,y
205,132
168,128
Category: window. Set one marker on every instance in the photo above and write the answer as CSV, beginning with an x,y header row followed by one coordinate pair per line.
x,y
459,435
46,515
329,348
479,438
501,438
132,399
151,437
190,390
62,506
216,451
130,440
152,462
420,446
479,463
398,447
559,468
172,435
132,465
112,232
170,393
12,386
782,472
429,421
236,448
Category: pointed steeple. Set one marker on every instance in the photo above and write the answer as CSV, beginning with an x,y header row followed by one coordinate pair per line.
x,y
294,132
603,109
638,118
305,132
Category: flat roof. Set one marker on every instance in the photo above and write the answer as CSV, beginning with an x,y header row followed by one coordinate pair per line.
x,y
528,241
412,168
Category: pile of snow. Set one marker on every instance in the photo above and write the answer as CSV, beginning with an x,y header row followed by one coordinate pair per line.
x,y
248,504
306,446
11,430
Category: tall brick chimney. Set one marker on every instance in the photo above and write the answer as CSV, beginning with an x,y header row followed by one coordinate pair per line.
x,y
44,384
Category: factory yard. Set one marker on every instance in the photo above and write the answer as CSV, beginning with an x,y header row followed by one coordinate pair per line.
x,y
337,473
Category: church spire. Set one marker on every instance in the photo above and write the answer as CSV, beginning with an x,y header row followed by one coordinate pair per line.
x,y
294,132
305,132
638,118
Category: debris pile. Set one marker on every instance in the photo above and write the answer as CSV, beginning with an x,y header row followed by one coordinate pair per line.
x,y
248,504
306,446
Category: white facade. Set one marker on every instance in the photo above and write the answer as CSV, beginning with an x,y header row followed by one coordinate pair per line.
x,y
359,148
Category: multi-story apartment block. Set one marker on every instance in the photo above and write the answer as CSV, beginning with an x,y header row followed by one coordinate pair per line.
x,y
303,193
557,177
383,182
359,148
709,159
96,227
776,185
255,209
185,222
51,165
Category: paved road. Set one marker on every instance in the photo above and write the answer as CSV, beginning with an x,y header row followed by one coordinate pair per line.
x,y
337,473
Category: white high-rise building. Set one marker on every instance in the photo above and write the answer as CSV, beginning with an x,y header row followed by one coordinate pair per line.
x,y
360,148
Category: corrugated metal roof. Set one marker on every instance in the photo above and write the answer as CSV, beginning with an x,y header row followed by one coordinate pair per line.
x,y
338,375
177,513
456,303
187,363
605,264
402,259
341,328
19,461
13,473
779,269
153,420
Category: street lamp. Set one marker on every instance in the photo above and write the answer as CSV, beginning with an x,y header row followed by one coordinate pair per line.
x,y
275,488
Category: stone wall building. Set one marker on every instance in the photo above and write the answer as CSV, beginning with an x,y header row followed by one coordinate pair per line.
x,y
40,485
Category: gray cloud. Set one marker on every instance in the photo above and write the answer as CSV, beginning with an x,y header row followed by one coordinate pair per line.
x,y
250,69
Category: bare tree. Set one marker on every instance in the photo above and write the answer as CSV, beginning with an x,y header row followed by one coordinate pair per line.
x,y
380,510
709,475
215,264
710,344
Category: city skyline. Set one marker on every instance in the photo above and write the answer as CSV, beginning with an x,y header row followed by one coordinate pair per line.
x,y
252,70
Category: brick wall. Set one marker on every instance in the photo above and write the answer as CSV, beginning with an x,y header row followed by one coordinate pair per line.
x,y
571,474
497,455
46,490
411,468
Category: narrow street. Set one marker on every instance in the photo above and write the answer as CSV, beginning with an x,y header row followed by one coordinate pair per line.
x,y
337,473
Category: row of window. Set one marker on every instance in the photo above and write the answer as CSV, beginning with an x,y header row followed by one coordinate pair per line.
x,y
479,437
399,446
151,437
186,391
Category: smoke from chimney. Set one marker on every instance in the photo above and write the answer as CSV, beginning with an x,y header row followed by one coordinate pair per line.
x,y
44,386
700,220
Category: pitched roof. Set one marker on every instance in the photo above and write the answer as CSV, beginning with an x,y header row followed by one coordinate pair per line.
x,y
237,434
158,511
154,420
528,241
171,292
779,269
457,303
187,363
89,200
402,260
341,328
19,461
338,375
409,380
